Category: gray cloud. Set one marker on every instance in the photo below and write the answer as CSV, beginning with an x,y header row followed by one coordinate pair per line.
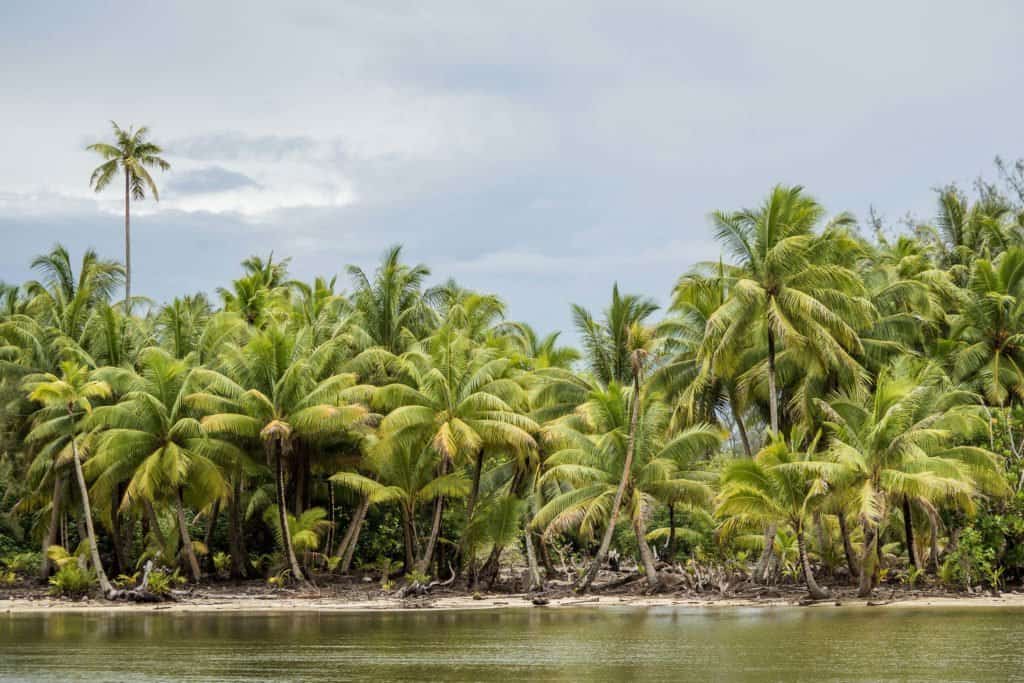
x,y
539,150
209,179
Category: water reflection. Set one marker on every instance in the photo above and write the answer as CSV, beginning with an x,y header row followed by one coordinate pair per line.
x,y
595,644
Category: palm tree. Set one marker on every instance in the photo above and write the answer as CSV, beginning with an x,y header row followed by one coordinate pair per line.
x,y
458,402
768,489
900,443
280,391
151,442
534,352
132,153
392,310
609,344
615,453
792,288
73,391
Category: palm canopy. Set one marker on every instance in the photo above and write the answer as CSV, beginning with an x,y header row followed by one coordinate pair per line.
x,y
588,453
795,285
904,440
457,400
151,440
133,153
988,331
609,343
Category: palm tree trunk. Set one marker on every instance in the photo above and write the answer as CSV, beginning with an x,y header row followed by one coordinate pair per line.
x,y
282,518
646,555
409,537
773,397
531,561
347,549
127,246
435,532
210,527
868,563
908,530
116,535
94,550
670,549
583,585
815,591
154,524
933,557
762,566
740,427
236,539
851,563
474,491
186,540
51,531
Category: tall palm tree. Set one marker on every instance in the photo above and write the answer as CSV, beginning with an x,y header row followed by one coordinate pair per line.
x,y
73,391
610,342
133,154
792,289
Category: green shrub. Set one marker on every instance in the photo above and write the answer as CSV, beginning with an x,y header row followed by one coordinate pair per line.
x,y
71,581
972,563
22,563
162,581
222,563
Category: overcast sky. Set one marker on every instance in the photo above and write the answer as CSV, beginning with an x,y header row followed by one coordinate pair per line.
x,y
537,150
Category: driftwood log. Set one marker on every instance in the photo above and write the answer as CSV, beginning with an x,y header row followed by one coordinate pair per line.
x,y
141,592
417,589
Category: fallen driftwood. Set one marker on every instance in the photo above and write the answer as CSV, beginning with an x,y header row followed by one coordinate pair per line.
x,y
417,589
141,592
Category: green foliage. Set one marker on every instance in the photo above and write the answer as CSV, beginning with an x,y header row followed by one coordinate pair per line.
x,y
72,581
971,563
222,563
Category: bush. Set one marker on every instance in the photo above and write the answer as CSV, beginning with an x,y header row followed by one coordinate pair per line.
x,y
162,581
972,563
22,563
71,581
222,563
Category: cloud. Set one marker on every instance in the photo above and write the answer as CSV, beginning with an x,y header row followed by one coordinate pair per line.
x,y
209,179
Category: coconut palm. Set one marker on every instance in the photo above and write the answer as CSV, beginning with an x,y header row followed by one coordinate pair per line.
x,y
151,442
534,352
902,442
459,402
74,391
135,155
280,391
616,450
793,289
768,490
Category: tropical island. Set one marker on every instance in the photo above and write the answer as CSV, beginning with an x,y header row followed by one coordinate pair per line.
x,y
831,412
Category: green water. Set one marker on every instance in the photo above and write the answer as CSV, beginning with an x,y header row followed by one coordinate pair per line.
x,y
821,644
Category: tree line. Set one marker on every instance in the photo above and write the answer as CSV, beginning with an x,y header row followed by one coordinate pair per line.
x,y
828,399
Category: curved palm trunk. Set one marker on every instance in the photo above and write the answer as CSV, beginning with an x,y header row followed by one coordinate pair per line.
x,y
740,427
851,563
186,540
282,518
670,548
646,555
94,550
761,570
908,529
606,541
127,246
154,524
435,527
868,563
51,531
347,548
815,591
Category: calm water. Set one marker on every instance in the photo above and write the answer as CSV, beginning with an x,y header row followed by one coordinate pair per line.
x,y
529,644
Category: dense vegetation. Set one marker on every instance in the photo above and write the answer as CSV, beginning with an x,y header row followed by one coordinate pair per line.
x,y
830,403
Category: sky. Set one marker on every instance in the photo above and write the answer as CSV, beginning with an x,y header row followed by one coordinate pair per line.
x,y
537,150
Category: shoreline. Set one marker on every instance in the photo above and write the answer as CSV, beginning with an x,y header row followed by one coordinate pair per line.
x,y
489,602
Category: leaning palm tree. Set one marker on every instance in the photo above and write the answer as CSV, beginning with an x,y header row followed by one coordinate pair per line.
x,y
132,153
617,452
73,391
278,390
